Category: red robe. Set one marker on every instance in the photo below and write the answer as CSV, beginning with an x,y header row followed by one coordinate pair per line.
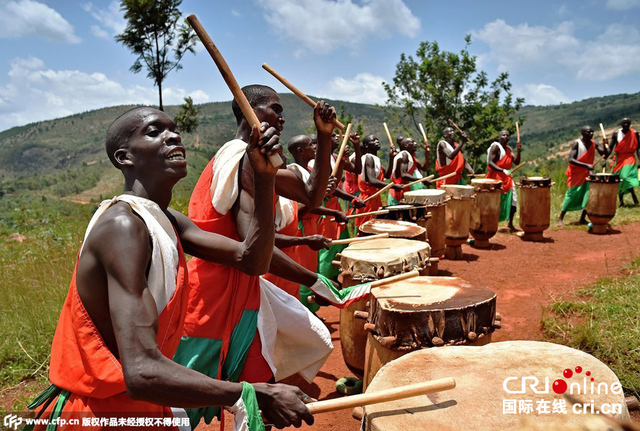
x,y
626,151
577,175
504,163
398,195
366,190
456,165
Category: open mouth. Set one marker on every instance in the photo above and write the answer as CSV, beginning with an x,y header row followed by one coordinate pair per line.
x,y
177,154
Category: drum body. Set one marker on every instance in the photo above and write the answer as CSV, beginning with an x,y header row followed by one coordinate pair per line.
x,y
367,261
485,211
602,203
483,375
435,201
424,312
458,216
395,229
535,207
405,212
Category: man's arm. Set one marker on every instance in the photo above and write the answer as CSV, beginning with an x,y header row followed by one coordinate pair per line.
x,y
121,245
573,157
314,242
402,169
356,166
285,267
494,157
342,194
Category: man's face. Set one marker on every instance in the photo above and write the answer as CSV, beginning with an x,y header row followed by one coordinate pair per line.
x,y
504,137
309,148
373,145
625,124
587,133
271,111
334,141
409,145
155,146
449,135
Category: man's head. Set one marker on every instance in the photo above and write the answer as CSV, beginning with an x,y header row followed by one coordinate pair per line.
x,y
408,144
334,141
145,141
504,136
449,135
587,133
371,144
302,148
625,123
266,104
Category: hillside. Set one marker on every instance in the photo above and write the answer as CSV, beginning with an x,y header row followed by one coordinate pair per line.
x,y
65,157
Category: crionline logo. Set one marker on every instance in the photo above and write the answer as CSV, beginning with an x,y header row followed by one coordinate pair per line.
x,y
519,385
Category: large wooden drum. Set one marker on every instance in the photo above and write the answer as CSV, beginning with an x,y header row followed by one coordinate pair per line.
x,y
535,207
485,211
483,375
601,206
368,261
405,212
395,229
425,312
435,201
458,216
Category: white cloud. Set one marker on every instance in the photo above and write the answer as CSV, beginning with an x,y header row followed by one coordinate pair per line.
x,y
111,19
322,25
364,88
235,13
542,94
540,48
31,18
35,93
622,4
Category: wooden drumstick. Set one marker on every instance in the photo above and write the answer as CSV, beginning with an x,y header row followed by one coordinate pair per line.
x,y
421,180
359,239
604,136
308,100
228,77
414,390
386,129
399,277
456,126
424,135
518,131
370,213
444,177
345,141
379,192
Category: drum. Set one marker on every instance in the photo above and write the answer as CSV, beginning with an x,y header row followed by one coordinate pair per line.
x,y
458,216
425,312
535,207
435,201
395,229
494,384
405,212
485,211
602,203
367,261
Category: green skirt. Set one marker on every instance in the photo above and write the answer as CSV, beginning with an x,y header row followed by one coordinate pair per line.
x,y
628,178
506,200
576,198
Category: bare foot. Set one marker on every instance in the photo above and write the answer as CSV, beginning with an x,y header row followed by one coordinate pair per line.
x,y
583,221
512,229
560,223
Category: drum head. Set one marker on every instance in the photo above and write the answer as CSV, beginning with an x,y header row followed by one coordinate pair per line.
x,y
486,184
425,197
458,191
395,228
480,400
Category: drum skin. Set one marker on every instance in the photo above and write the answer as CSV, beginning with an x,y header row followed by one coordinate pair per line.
x,y
485,211
436,202
602,203
395,229
535,207
477,402
458,214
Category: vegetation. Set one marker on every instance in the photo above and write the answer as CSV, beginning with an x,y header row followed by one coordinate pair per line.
x,y
187,118
438,86
153,34
604,320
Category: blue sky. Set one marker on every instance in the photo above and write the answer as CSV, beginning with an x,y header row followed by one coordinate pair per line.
x,y
60,57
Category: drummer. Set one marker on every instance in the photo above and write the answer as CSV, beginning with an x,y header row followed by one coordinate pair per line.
x,y
406,168
500,160
449,158
624,143
371,178
581,158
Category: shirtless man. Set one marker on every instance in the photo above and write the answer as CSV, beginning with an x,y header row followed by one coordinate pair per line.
x,y
449,158
123,317
407,167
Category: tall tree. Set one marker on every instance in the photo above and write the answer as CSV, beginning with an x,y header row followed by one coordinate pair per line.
x,y
187,117
441,85
154,34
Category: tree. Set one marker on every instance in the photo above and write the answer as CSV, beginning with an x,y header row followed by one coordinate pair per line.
x,y
154,35
187,117
441,85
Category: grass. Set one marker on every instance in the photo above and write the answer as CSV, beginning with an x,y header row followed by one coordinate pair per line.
x,y
603,320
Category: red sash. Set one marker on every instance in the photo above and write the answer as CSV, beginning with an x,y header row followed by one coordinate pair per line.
x,y
577,175
291,229
399,195
366,190
456,165
625,151
505,163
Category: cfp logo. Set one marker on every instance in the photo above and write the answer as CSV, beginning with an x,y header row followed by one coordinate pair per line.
x,y
12,421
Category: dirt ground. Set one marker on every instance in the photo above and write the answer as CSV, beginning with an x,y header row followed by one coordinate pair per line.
x,y
527,276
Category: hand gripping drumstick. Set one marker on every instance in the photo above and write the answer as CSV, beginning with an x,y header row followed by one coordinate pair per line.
x,y
308,100
336,167
359,238
393,394
370,213
228,77
386,129
379,192
421,180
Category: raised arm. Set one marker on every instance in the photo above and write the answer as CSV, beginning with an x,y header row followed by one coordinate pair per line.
x,y
516,160
355,167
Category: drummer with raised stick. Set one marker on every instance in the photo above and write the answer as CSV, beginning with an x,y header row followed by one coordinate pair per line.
x,y
406,168
449,157
500,160
625,143
581,157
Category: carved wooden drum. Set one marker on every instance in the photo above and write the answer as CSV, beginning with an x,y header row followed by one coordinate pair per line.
x,y
485,211
368,261
435,201
602,203
425,312
535,207
493,389
458,216
405,212
395,229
